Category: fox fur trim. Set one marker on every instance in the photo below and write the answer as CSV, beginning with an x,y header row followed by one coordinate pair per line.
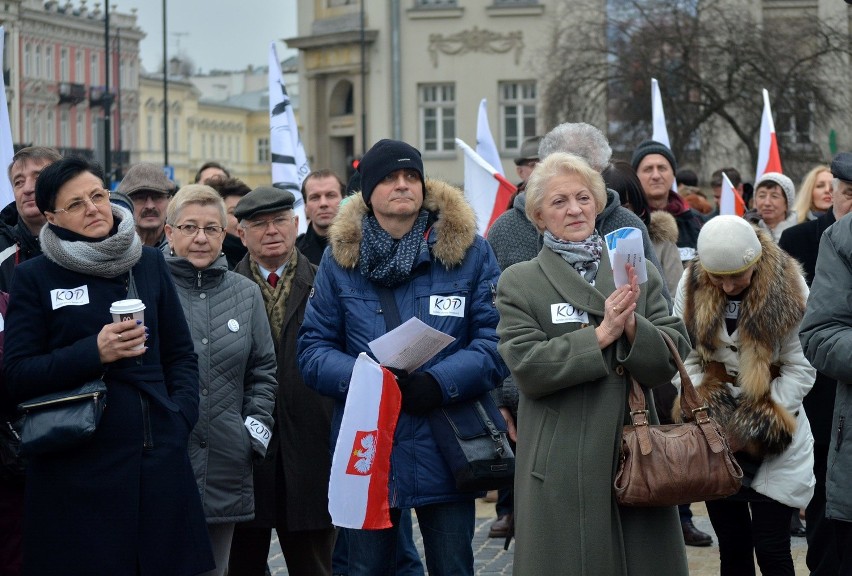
x,y
773,306
455,227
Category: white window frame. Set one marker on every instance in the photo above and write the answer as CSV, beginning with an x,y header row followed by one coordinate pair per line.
x,y
437,113
79,73
64,71
518,115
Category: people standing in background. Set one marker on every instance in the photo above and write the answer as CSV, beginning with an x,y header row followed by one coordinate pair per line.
x,y
774,195
231,190
322,192
814,197
211,171
150,191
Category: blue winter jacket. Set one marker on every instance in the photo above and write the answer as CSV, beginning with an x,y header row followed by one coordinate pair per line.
x,y
344,315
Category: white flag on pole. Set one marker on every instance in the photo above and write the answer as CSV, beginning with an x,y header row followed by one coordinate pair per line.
x,y
289,163
768,158
485,145
485,189
658,118
7,149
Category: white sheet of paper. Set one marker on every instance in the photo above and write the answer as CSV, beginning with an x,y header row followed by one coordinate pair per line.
x,y
625,246
409,345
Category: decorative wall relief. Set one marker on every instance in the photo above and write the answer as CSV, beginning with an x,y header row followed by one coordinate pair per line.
x,y
476,40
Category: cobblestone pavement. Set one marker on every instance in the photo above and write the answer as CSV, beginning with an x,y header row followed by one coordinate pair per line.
x,y
491,559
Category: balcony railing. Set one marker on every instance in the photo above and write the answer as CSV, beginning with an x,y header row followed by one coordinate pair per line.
x,y
99,96
70,93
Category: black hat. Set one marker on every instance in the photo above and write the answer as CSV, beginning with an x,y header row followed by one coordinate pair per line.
x,y
263,200
841,166
652,147
384,157
528,151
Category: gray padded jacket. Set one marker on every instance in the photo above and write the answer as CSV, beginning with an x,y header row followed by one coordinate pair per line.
x,y
236,364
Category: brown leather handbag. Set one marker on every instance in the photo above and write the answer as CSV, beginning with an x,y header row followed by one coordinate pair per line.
x,y
665,465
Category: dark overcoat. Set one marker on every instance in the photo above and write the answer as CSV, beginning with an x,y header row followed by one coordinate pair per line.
x,y
291,483
126,502
802,243
573,405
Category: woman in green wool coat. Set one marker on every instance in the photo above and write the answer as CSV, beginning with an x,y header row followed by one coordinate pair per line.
x,y
572,340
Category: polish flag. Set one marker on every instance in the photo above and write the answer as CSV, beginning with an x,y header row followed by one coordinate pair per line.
x,y
485,145
768,158
485,189
730,203
360,467
658,120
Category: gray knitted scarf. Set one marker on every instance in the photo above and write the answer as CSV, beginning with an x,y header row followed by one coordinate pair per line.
x,y
106,258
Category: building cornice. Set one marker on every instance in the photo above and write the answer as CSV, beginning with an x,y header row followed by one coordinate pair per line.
x,y
325,40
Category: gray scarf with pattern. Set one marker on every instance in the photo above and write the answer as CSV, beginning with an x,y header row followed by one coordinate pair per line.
x,y
106,258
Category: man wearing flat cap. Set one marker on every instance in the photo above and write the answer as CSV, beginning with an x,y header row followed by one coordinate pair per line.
x,y
291,483
407,248
150,190
826,336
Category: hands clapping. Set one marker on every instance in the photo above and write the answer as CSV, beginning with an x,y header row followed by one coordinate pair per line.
x,y
619,311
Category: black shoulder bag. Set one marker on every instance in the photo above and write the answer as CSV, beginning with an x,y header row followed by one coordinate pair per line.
x,y
471,434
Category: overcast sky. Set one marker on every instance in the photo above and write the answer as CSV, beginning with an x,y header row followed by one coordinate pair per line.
x,y
221,34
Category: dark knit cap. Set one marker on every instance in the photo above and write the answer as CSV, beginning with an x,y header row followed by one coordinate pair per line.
x,y
652,147
384,157
263,200
841,166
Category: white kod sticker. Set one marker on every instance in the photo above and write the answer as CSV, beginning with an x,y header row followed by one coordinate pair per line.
x,y
564,312
446,306
69,297
258,431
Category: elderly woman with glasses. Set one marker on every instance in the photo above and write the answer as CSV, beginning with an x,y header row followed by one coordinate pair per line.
x,y
125,501
572,340
236,361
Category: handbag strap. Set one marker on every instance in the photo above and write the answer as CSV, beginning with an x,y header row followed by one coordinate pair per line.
x,y
691,406
389,308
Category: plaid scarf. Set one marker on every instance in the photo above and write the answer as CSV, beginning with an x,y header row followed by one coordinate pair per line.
x,y
275,299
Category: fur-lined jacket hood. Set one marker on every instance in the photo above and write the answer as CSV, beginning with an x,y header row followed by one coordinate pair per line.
x,y
771,309
452,232
663,227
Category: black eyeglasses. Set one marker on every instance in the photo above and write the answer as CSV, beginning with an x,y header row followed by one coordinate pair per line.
x,y
142,196
209,231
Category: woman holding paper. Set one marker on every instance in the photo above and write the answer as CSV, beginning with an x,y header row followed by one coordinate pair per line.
x,y
571,339
236,363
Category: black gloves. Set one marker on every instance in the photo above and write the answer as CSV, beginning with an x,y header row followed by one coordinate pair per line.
x,y
421,393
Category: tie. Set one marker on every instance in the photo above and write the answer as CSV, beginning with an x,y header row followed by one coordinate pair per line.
x,y
272,279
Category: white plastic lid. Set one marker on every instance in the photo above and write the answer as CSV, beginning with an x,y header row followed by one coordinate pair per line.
x,y
127,306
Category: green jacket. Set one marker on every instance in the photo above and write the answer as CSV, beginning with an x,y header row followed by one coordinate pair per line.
x,y
572,409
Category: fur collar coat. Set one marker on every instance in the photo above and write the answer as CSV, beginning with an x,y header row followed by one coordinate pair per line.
x,y
761,410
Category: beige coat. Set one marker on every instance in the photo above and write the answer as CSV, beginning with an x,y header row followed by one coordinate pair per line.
x,y
572,409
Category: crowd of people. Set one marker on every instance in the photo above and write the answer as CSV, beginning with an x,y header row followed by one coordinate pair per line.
x,y
225,402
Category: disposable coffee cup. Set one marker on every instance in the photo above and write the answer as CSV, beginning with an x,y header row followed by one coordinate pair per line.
x,y
132,309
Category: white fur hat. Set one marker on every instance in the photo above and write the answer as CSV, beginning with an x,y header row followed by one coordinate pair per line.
x,y
728,245
784,182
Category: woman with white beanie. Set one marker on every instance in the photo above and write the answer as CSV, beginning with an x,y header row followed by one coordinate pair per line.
x,y
742,300
774,209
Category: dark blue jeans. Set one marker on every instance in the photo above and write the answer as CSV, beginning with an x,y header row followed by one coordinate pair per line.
x,y
759,527
407,558
447,531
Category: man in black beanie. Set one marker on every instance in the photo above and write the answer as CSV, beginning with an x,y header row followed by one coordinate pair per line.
x,y
408,249
655,165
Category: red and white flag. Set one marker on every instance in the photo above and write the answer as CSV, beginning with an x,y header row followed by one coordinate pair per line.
x,y
768,158
358,487
485,189
730,203
658,120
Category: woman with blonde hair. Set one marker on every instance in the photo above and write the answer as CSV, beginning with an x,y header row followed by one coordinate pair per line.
x,y
814,196
572,340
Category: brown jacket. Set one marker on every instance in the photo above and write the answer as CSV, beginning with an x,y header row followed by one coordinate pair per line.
x,y
298,498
